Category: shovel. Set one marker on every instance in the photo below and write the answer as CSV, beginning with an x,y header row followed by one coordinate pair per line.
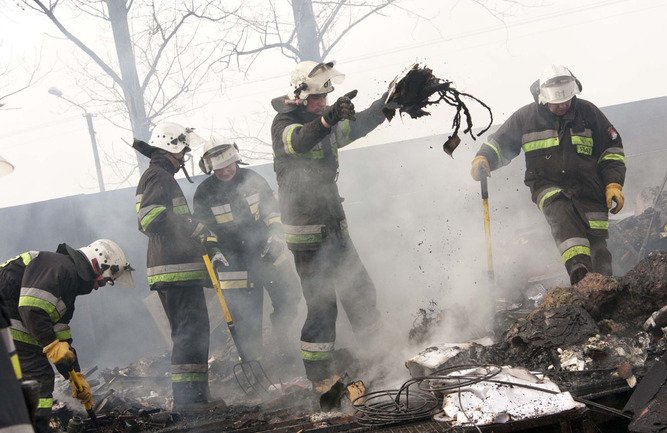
x,y
89,406
249,374
487,229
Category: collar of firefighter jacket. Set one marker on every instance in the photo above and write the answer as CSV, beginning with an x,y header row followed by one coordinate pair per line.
x,y
161,159
83,267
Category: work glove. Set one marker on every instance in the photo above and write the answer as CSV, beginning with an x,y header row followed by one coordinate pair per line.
x,y
342,109
480,168
275,246
85,396
58,352
614,192
217,259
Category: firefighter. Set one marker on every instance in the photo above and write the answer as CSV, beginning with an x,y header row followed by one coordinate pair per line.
x,y
175,269
40,288
240,206
306,135
575,167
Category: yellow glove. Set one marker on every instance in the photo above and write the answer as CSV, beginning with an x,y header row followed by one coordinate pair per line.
x,y
614,191
84,395
58,351
480,167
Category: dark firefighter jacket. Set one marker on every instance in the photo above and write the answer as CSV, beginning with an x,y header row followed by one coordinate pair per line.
x,y
577,154
239,211
174,249
39,289
306,166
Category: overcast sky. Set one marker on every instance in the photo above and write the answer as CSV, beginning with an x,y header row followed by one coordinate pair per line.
x,y
615,48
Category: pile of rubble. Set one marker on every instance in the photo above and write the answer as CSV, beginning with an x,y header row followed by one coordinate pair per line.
x,y
591,339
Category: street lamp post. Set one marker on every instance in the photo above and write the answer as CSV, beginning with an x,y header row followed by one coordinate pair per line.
x,y
93,141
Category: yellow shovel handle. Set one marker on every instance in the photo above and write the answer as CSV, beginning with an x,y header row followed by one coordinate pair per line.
x,y
79,386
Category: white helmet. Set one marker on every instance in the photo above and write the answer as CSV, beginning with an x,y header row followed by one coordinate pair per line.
x,y
108,261
312,78
218,153
557,85
173,137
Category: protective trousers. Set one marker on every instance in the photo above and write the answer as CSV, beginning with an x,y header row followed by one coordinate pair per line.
x,y
243,283
333,268
36,366
188,317
582,247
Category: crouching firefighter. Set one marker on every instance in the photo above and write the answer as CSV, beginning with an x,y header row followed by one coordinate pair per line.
x,y
306,135
575,167
40,288
175,269
239,205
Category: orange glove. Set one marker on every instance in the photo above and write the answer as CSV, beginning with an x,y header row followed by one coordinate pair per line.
x,y
84,395
480,167
58,352
614,192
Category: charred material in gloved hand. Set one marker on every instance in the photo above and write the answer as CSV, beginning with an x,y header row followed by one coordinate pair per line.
x,y
410,92
342,109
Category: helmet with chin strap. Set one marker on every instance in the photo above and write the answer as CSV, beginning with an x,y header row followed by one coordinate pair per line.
x,y
109,263
312,78
173,137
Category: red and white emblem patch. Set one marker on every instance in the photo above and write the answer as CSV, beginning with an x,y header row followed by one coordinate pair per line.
x,y
612,133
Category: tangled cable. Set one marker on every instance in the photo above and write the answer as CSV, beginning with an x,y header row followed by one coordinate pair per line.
x,y
420,398
410,93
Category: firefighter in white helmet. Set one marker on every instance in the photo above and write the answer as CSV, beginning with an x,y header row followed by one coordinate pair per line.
x,y
39,289
240,207
575,167
306,135
175,269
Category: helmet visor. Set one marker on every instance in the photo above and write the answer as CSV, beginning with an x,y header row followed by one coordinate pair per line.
x,y
558,90
125,279
218,159
322,78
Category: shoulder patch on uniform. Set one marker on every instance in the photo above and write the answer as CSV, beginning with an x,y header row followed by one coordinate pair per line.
x,y
612,133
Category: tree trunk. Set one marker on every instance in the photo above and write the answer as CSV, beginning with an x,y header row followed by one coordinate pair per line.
x,y
306,30
134,97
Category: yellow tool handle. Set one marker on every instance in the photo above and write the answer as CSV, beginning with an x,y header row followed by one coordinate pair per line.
x,y
79,386
218,290
487,227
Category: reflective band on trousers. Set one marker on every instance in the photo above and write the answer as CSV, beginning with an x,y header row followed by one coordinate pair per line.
x,y
598,220
189,377
310,234
545,195
45,403
316,351
189,373
574,247
32,297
